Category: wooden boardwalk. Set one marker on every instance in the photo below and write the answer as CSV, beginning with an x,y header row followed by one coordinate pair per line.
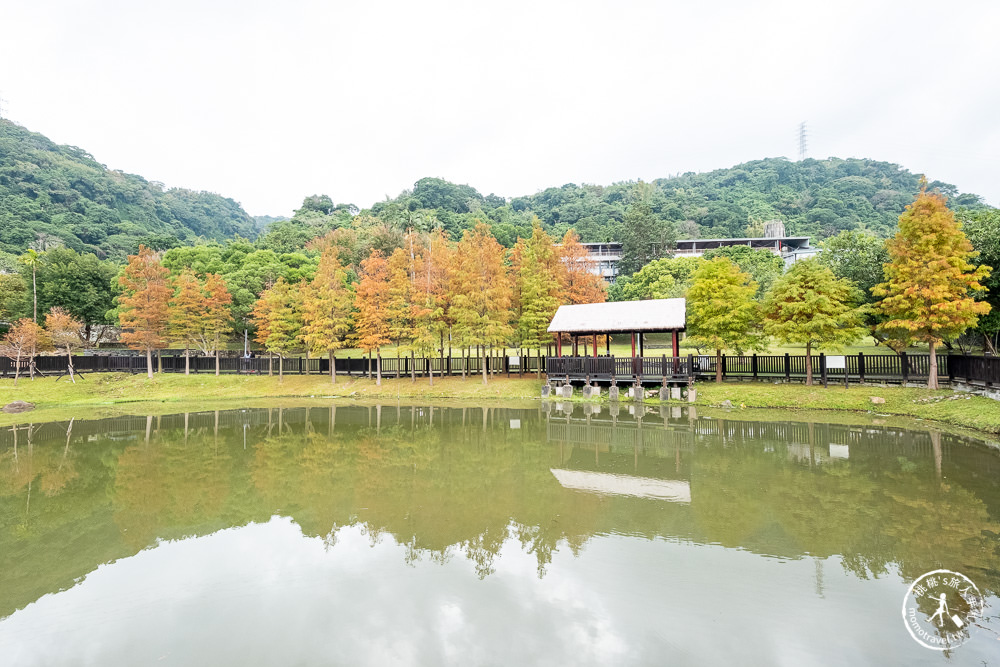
x,y
834,369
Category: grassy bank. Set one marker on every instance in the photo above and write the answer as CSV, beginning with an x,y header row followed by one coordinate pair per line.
x,y
956,408
106,393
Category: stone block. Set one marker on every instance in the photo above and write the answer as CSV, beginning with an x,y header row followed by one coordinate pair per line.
x,y
675,393
613,393
566,391
546,390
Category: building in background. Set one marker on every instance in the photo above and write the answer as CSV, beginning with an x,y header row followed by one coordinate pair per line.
x,y
605,257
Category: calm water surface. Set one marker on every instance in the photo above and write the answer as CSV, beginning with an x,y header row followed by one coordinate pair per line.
x,y
415,535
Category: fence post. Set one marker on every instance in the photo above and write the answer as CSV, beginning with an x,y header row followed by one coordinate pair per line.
x,y
788,368
861,367
822,368
753,365
905,367
690,368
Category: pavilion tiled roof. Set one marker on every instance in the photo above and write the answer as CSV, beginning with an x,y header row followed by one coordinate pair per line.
x,y
654,315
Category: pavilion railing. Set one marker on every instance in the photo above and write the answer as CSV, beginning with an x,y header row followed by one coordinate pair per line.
x,y
902,368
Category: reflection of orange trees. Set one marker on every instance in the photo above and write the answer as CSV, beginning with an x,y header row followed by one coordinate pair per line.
x,y
436,491
168,487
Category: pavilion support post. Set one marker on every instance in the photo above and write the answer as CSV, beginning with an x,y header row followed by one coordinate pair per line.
x,y
642,351
595,346
633,345
575,345
607,345
558,345
675,344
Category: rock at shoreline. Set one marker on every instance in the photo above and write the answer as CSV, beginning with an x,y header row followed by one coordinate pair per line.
x,y
18,406
877,400
726,404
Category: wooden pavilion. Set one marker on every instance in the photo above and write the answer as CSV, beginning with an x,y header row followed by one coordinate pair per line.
x,y
635,318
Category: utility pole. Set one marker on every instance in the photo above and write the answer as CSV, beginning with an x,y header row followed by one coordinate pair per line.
x,y
802,140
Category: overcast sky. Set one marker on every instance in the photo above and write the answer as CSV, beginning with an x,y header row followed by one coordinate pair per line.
x,y
267,102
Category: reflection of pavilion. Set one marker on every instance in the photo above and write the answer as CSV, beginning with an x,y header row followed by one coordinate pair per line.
x,y
608,456
624,485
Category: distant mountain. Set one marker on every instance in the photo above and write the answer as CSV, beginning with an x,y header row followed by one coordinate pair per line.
x,y
816,198
52,195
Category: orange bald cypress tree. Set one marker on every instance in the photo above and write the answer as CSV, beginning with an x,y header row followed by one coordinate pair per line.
x,y
372,303
401,300
928,294
64,331
580,284
215,323
143,306
187,309
482,291
279,321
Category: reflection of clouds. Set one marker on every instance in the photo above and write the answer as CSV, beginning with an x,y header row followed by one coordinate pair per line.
x,y
265,595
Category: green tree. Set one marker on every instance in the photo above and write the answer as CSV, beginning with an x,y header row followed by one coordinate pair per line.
x,y
79,283
721,311
645,236
930,281
664,278
13,295
982,226
810,306
31,259
763,265
538,287
327,308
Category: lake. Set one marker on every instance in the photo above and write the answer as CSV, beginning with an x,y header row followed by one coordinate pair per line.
x,y
537,534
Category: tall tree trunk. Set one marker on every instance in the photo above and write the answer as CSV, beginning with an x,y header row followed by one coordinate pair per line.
x,y
378,368
538,370
149,362
430,371
17,368
187,361
932,375
69,364
718,365
270,364
281,368
809,365
484,365
333,367
34,289
307,361
413,367
217,359
159,361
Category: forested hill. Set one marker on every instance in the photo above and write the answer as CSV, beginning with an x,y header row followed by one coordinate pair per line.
x,y
52,194
817,198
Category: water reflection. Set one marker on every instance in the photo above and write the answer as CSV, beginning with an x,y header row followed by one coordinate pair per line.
x,y
471,483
